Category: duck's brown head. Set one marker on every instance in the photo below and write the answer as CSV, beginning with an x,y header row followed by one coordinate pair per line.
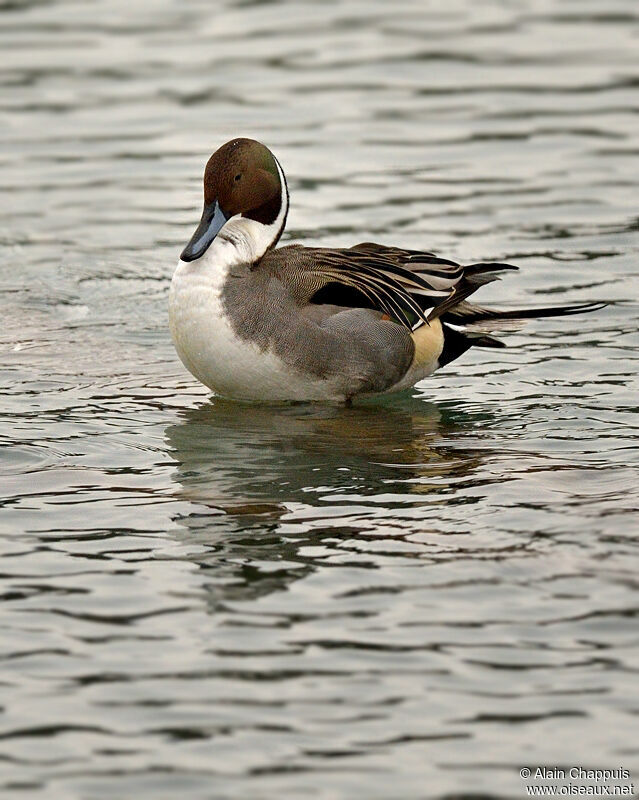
x,y
242,179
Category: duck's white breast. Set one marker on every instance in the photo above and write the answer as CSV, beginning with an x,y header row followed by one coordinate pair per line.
x,y
212,351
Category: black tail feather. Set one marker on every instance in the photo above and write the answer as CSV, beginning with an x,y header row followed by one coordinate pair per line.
x,y
468,314
488,266
457,341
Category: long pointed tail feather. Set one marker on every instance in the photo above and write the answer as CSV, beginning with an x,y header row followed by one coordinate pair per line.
x,y
478,318
468,325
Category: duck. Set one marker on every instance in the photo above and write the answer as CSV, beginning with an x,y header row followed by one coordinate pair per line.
x,y
259,323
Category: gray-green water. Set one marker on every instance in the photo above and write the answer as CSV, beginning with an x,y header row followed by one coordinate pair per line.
x,y
403,600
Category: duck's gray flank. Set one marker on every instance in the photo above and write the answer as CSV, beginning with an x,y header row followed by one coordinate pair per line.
x,y
365,352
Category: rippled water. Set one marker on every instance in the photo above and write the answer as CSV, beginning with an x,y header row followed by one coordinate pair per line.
x,y
405,599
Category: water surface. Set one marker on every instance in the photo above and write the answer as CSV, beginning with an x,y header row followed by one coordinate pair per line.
x,y
410,598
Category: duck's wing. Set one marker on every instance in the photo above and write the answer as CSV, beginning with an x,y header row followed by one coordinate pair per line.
x,y
410,286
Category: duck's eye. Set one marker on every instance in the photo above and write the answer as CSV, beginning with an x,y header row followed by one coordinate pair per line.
x,y
237,177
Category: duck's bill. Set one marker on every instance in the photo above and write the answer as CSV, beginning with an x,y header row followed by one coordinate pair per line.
x,y
213,218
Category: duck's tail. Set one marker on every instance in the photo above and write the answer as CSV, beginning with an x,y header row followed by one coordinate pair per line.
x,y
468,325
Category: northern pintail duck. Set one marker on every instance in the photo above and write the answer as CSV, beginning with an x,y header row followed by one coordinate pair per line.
x,y
262,323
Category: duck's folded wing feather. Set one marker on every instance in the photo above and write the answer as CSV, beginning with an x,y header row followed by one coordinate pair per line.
x,y
410,286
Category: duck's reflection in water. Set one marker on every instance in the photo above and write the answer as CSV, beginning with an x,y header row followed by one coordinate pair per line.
x,y
269,482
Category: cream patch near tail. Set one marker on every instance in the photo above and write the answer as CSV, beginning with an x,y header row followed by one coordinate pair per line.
x,y
429,343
